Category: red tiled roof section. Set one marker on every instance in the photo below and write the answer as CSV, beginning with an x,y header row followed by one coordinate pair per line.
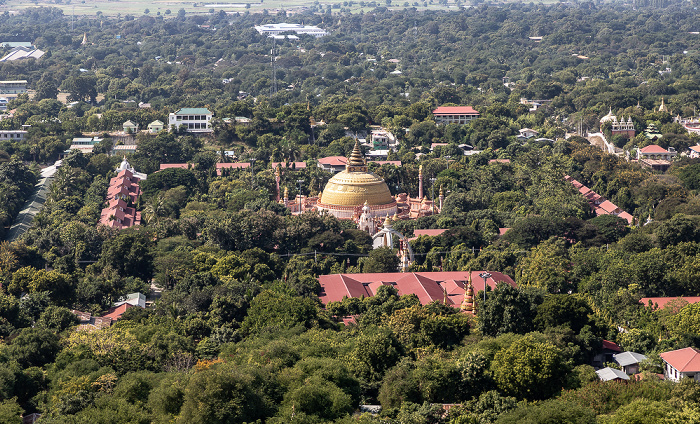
x,y
662,302
174,165
337,286
611,346
431,233
333,160
297,165
654,149
428,286
684,360
426,289
117,312
455,110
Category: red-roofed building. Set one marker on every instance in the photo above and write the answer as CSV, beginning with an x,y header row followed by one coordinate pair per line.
x,y
492,161
333,163
655,157
455,114
429,233
175,165
663,302
445,287
292,165
122,191
386,162
236,165
681,363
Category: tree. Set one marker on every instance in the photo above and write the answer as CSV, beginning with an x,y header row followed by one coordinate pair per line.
x,y
381,260
224,394
10,412
530,369
552,411
506,310
81,88
46,88
562,309
547,266
278,309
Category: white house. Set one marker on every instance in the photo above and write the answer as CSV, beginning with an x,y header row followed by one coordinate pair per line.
x,y
13,87
13,134
195,119
276,29
382,139
528,133
130,127
681,363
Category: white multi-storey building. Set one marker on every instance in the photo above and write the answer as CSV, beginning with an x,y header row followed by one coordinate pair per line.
x,y
196,120
276,29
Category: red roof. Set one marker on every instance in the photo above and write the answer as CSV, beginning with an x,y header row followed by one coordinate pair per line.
x,y
684,360
174,165
695,148
654,149
428,286
502,231
296,165
627,216
431,233
426,289
387,162
333,160
611,346
498,161
234,165
455,110
117,312
609,206
661,302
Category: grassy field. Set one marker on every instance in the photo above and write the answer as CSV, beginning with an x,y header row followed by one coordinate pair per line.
x,y
139,7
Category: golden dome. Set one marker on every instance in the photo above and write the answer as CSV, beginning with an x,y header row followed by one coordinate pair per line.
x,y
356,186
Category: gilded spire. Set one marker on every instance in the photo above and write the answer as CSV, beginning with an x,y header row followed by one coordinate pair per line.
x,y
420,170
356,158
286,193
387,222
468,301
442,193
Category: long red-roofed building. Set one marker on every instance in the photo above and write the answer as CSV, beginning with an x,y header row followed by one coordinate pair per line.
x,y
455,114
681,363
123,190
446,287
663,302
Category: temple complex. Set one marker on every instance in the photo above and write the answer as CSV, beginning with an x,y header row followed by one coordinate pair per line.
x,y
348,192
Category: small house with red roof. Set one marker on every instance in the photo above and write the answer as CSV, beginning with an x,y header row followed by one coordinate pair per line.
x,y
455,114
681,363
290,165
664,302
333,163
606,354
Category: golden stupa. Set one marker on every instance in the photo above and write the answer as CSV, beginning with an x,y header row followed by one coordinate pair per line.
x,y
348,190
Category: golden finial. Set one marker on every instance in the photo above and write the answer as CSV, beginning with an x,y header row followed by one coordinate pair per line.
x,y
387,222
441,192
286,192
356,158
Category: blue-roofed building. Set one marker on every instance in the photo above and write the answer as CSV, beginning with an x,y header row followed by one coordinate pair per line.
x,y
195,119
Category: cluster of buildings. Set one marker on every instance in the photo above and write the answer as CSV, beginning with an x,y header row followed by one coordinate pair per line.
x,y
677,364
122,195
598,203
351,190
88,322
20,50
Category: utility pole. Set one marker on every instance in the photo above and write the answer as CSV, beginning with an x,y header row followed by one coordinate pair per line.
x,y
273,54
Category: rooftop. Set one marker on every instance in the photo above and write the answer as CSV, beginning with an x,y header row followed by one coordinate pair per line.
x,y
193,111
455,110
629,358
609,374
654,149
684,360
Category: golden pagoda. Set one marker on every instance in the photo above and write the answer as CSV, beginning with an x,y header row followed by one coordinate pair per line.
x,y
348,190
468,301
